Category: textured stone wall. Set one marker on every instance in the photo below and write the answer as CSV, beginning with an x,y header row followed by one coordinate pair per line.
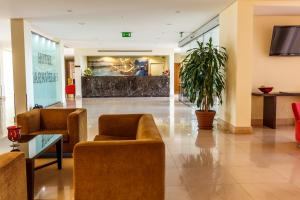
x,y
125,86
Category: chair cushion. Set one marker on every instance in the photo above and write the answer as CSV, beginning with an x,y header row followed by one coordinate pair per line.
x,y
54,119
63,132
108,137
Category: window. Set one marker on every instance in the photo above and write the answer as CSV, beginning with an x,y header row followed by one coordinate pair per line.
x,y
8,88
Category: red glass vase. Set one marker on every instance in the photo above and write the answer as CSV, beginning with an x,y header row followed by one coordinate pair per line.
x,y
14,134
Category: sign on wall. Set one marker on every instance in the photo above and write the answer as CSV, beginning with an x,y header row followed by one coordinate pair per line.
x,y
46,66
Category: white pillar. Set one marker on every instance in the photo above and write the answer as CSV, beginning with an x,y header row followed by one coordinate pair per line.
x,y
77,75
171,70
63,72
236,35
22,65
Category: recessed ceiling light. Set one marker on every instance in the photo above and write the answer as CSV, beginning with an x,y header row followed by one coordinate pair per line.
x,y
81,23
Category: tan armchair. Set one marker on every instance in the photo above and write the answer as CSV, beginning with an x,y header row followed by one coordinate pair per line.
x,y
72,123
126,161
13,176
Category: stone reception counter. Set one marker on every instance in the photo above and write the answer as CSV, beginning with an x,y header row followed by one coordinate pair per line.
x,y
125,86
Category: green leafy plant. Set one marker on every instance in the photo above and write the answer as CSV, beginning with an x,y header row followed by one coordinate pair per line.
x,y
203,74
88,72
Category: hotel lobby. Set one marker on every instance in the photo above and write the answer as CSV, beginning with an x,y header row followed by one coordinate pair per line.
x,y
172,100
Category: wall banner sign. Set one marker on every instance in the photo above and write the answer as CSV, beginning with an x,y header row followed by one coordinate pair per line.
x,y
46,66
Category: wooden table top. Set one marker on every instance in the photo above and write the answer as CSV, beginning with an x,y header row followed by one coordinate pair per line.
x,y
286,94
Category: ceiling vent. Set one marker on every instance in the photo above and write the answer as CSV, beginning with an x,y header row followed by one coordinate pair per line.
x,y
125,51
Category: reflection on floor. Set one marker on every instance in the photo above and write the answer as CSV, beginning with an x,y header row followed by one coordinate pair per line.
x,y
200,165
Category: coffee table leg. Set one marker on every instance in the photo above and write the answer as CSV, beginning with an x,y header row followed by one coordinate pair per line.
x,y
30,178
59,153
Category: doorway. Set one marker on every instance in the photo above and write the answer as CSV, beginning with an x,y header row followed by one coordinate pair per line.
x,y
176,78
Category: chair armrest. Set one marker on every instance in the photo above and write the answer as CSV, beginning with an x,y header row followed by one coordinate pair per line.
x,y
29,121
119,125
13,176
77,126
133,168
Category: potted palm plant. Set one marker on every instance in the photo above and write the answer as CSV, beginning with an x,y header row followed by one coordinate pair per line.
x,y
203,79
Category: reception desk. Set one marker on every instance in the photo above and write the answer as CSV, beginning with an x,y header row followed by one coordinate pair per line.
x,y
125,86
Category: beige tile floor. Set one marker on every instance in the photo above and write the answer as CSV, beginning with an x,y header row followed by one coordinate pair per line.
x,y
200,165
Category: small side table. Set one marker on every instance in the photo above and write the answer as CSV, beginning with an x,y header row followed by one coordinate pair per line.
x,y
269,106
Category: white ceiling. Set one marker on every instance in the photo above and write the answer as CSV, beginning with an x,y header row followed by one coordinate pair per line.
x,y
153,23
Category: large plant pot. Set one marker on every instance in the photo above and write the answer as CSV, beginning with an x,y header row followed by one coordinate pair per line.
x,y
205,119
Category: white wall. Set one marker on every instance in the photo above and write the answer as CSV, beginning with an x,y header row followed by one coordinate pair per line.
x,y
2,107
7,97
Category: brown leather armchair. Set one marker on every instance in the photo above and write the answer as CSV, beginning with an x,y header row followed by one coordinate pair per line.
x,y
125,161
72,123
13,176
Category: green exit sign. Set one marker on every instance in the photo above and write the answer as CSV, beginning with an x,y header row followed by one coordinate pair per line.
x,y
126,34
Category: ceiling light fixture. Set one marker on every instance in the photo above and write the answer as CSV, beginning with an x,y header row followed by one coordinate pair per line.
x,y
127,51
181,34
69,11
81,23
178,11
168,24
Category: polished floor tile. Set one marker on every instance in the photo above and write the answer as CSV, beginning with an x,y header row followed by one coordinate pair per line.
x,y
177,193
218,192
251,174
200,165
274,191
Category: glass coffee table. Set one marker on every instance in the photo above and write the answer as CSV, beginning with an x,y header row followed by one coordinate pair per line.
x,y
33,146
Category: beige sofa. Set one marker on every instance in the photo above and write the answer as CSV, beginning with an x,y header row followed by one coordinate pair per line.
x,y
72,123
13,176
126,161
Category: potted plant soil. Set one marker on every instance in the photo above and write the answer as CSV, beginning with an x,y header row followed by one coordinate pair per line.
x,y
203,79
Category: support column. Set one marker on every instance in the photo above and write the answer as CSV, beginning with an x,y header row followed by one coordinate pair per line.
x,y
22,65
236,35
63,73
80,66
171,70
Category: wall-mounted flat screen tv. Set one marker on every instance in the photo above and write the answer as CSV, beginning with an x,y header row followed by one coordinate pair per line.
x,y
285,41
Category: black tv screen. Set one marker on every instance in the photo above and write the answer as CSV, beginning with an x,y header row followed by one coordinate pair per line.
x,y
285,41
